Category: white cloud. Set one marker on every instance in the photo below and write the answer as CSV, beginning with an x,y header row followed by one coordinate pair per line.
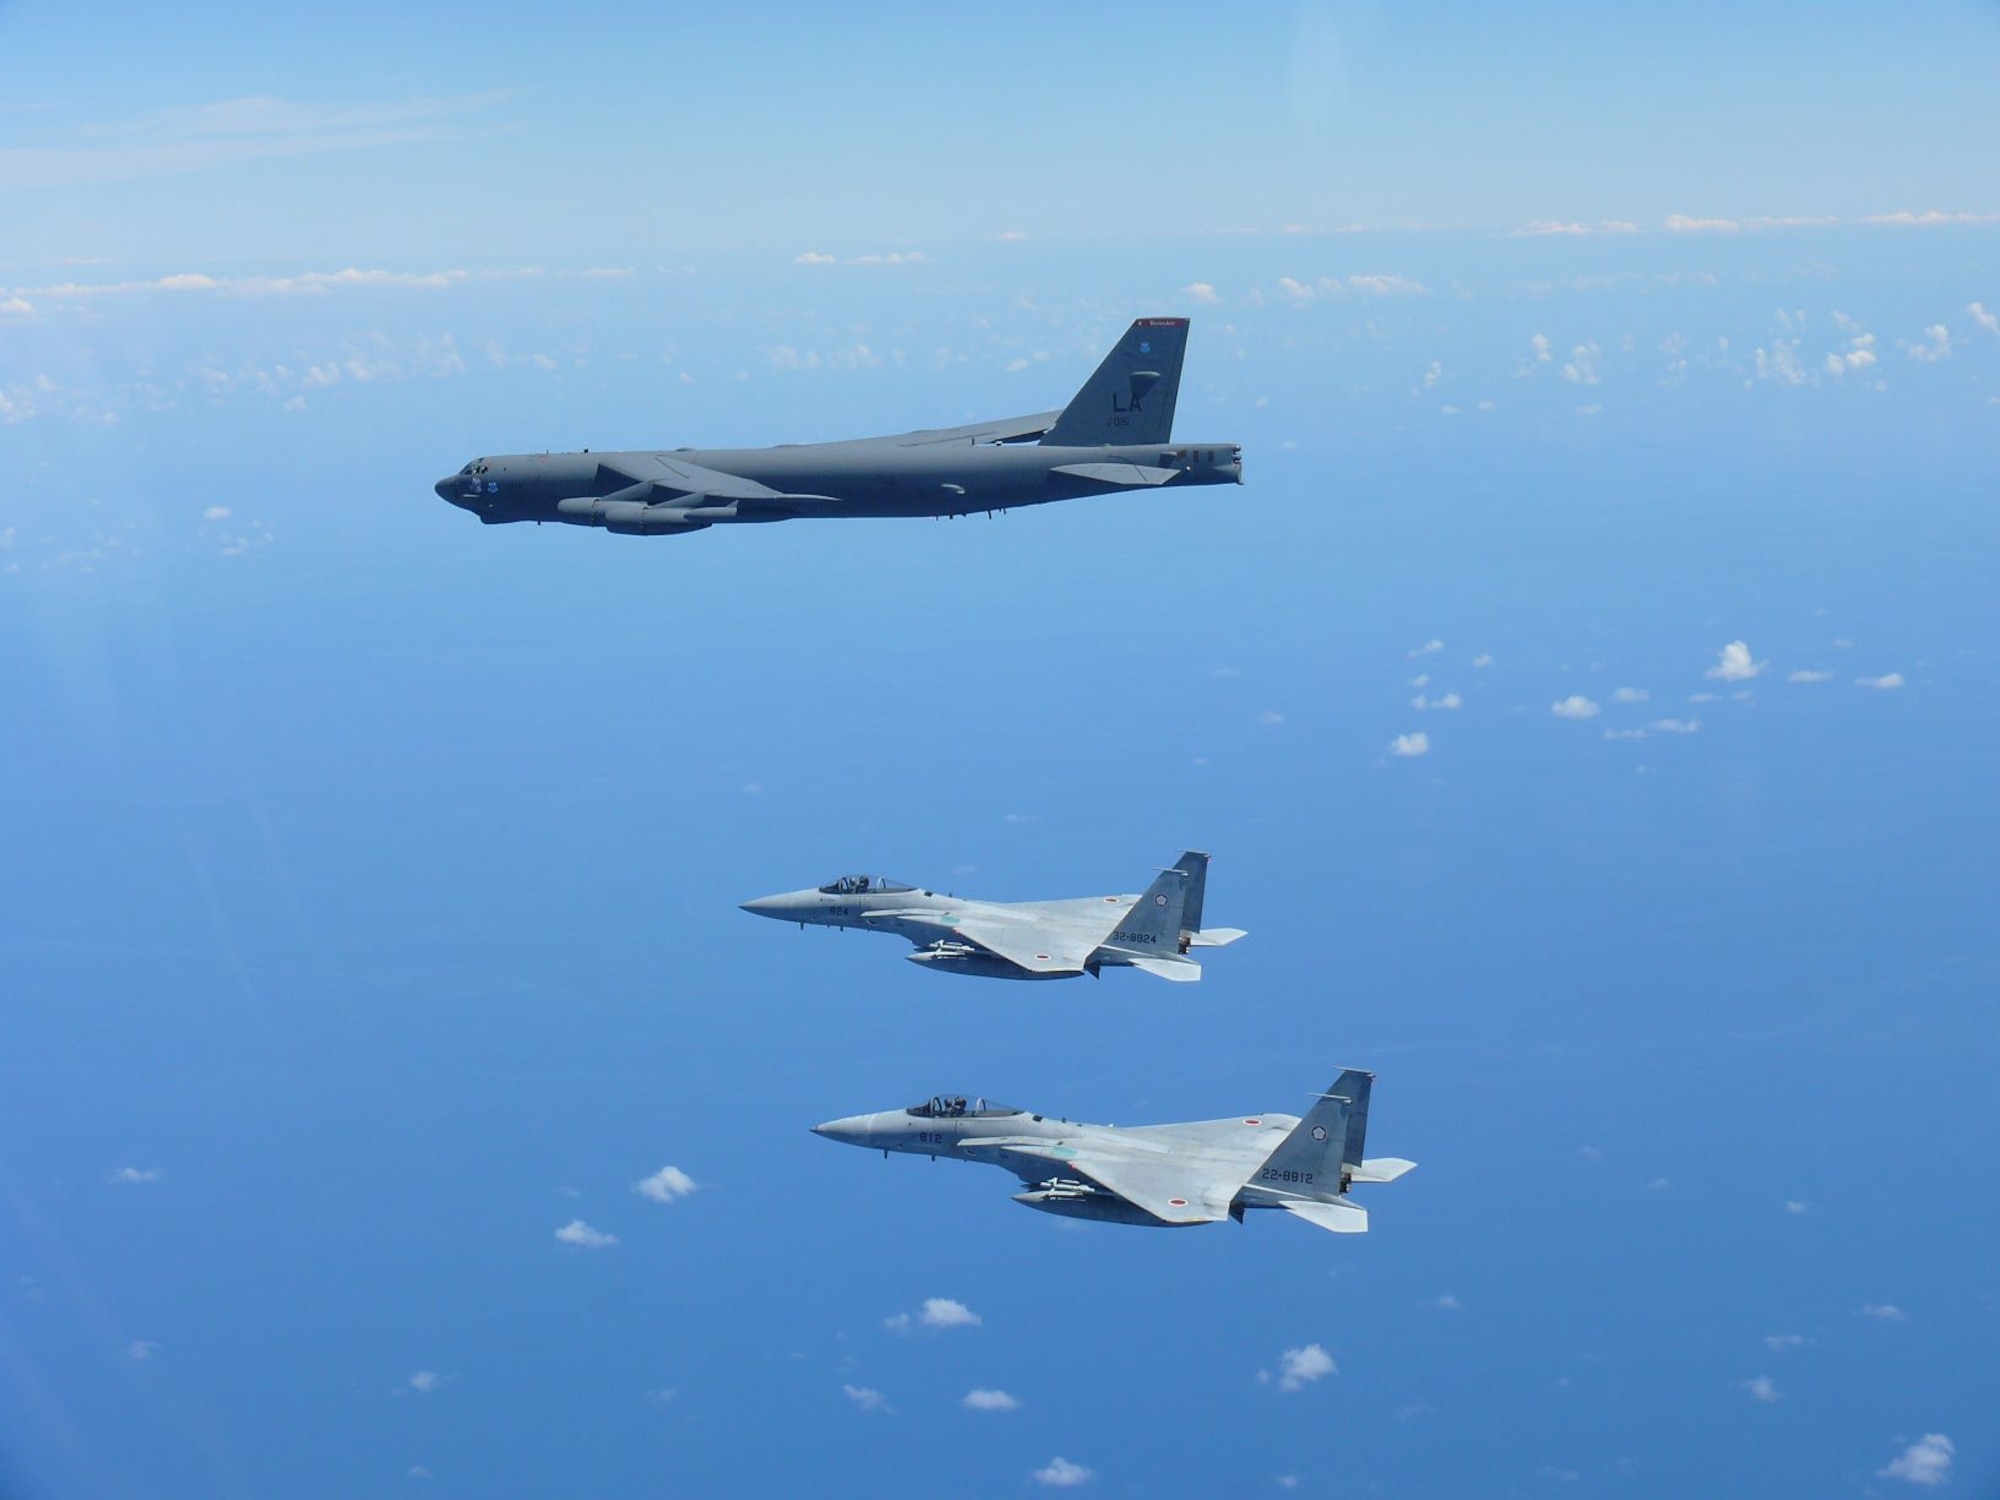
x,y
1624,734
1886,682
1590,1153
1780,363
1269,717
1061,1474
1978,310
1433,374
1936,348
1484,659
986,1400
1575,706
1926,1461
1683,224
1422,679
1582,364
937,1312
1760,1388
417,1471
1408,745
866,1397
1797,1206
1200,291
20,306
141,1349
1780,1342
665,1185
425,1381
1928,218
1385,285
1882,1312
128,1176
1428,648
1676,726
1733,664
1858,355
1299,1368
1444,701
1540,344
1630,695
1446,1303
813,258
576,1232
216,513
1813,674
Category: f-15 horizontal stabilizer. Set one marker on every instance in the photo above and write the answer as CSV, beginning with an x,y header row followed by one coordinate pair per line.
x,y
1381,1169
1341,1218
1215,937
1179,970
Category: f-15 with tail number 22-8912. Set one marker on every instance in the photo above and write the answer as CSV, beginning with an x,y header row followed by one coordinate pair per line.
x,y
1154,1175
1117,434
1153,931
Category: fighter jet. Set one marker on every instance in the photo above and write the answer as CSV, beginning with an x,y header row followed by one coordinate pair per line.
x,y
1117,434
1154,1175
1152,932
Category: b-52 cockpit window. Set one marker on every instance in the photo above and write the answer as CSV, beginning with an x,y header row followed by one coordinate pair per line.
x,y
863,885
958,1107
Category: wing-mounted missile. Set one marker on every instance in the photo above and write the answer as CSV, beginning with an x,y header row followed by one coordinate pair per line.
x,y
1079,1200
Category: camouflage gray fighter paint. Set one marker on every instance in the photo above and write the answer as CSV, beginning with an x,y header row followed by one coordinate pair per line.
x,y
1154,1175
1115,435
1153,931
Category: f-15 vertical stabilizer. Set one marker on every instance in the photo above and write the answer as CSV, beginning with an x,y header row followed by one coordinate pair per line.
x,y
1312,1158
1131,397
1153,925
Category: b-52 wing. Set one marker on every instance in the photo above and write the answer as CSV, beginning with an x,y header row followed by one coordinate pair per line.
x,y
1021,944
1000,430
667,481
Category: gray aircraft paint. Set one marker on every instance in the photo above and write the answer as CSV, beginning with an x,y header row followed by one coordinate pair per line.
x,y
1116,434
1022,939
1154,1175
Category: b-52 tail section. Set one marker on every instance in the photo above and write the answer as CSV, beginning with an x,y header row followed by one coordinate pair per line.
x,y
1131,397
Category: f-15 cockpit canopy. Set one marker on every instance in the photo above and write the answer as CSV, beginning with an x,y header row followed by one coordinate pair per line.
x,y
863,885
958,1107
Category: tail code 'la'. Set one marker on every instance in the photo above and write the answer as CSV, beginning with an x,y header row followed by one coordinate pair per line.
x,y
1131,397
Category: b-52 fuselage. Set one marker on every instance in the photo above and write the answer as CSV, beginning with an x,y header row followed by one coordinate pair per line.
x,y
1152,931
1115,435
1154,1175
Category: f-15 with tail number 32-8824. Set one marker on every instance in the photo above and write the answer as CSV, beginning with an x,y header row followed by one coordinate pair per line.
x,y
1117,434
1153,931
1155,1175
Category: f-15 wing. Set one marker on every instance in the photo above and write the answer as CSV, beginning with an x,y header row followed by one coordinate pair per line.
x,y
1020,943
1156,1183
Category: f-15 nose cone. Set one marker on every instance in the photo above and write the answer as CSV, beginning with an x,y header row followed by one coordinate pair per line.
x,y
853,1131
765,906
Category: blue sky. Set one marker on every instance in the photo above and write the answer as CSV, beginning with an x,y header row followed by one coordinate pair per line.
x,y
1587,700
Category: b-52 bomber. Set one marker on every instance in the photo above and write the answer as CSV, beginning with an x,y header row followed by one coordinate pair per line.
x,y
1152,932
1154,1175
1117,434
